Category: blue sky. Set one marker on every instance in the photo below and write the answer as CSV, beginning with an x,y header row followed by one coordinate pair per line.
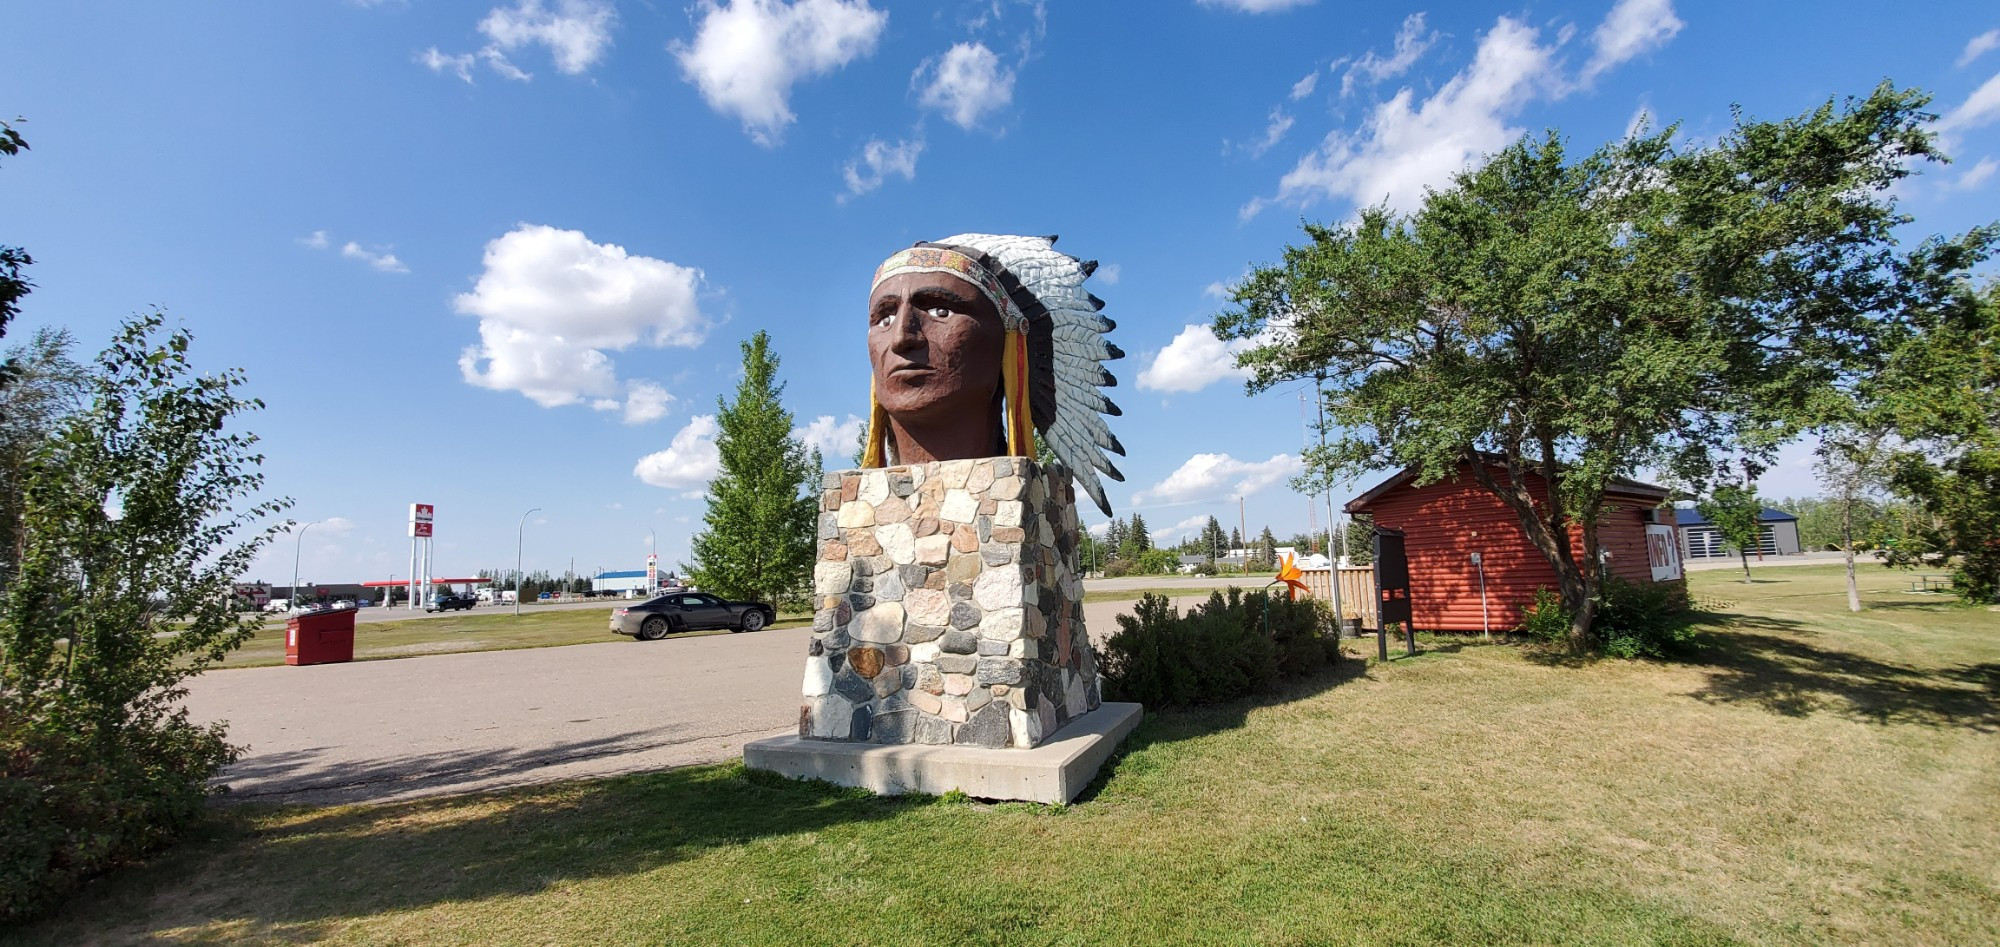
x,y
499,255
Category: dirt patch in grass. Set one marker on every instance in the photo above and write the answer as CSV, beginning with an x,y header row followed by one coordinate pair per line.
x,y
1812,778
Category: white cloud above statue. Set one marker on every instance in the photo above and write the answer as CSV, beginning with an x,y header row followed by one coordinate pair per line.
x,y
747,54
1218,477
553,304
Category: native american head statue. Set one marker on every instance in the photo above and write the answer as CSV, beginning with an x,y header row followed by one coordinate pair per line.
x,y
978,342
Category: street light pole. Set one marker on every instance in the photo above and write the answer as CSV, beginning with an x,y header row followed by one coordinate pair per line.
x,y
652,563
298,545
520,533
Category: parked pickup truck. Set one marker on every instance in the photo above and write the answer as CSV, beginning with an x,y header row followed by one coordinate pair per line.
x,y
446,603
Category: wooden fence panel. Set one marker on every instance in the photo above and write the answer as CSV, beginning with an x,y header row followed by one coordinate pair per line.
x,y
1357,590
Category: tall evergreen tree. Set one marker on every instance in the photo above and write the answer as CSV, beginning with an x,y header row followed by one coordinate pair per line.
x,y
1211,540
1267,549
1114,537
763,507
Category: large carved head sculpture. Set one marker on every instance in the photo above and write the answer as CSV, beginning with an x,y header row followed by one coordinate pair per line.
x,y
978,342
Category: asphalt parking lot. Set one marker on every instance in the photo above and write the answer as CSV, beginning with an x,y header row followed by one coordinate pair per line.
x,y
376,731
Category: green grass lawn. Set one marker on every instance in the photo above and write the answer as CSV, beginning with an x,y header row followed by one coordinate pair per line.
x,y
477,630
1813,778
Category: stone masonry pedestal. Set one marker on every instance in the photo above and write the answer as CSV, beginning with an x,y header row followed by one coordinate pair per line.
x,y
949,610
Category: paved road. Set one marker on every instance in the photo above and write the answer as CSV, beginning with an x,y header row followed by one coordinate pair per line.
x,y
375,731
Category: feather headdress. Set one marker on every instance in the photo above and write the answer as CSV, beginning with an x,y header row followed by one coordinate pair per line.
x,y
1055,350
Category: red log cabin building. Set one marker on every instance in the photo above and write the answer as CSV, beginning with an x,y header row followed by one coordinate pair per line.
x,y
1444,523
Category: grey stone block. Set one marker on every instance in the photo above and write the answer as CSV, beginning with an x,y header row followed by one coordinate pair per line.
x,y
894,727
957,663
965,615
853,686
987,728
998,671
960,642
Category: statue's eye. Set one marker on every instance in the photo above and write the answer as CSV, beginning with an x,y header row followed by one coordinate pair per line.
x,y
938,312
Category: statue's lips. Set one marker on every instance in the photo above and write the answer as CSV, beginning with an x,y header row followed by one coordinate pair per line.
x,y
910,372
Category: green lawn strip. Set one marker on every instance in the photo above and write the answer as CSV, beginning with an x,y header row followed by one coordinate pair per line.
x,y
467,631
1812,778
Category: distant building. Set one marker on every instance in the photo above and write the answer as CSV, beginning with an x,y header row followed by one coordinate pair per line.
x,y
629,583
1699,540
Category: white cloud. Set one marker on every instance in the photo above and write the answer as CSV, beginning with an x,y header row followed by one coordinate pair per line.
x,y
1216,476
746,56
1411,44
1403,148
966,83
1110,274
614,506
1172,535
1632,28
577,32
1099,531
1305,86
1215,290
1979,46
836,440
1256,6
551,302
384,261
878,161
645,402
691,460
1979,108
498,62
1194,360
459,65
1276,125
315,240
1977,174
335,526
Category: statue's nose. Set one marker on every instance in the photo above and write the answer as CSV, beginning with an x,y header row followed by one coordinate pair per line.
x,y
908,328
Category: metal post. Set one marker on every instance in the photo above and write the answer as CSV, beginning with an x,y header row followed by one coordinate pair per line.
x,y
1333,556
1485,620
520,533
652,561
298,546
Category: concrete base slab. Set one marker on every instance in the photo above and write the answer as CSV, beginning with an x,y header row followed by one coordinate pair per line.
x,y
1053,772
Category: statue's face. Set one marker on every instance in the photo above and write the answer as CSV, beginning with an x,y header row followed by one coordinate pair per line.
x,y
935,343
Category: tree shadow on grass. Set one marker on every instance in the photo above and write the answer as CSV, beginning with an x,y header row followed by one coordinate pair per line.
x,y
1786,673
316,777
274,873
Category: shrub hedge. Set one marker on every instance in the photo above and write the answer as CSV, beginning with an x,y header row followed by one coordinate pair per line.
x,y
1232,646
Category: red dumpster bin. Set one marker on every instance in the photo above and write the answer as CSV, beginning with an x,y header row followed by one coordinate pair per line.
x,y
320,637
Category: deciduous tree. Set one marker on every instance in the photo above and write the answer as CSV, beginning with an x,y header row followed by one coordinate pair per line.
x,y
1735,512
132,523
1650,305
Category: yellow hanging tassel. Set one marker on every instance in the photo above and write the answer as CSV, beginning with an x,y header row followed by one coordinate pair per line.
x,y
1020,419
872,455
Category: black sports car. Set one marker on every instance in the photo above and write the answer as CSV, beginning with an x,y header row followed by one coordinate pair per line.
x,y
676,612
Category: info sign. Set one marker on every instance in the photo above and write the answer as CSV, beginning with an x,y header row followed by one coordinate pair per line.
x,y
420,520
1662,552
